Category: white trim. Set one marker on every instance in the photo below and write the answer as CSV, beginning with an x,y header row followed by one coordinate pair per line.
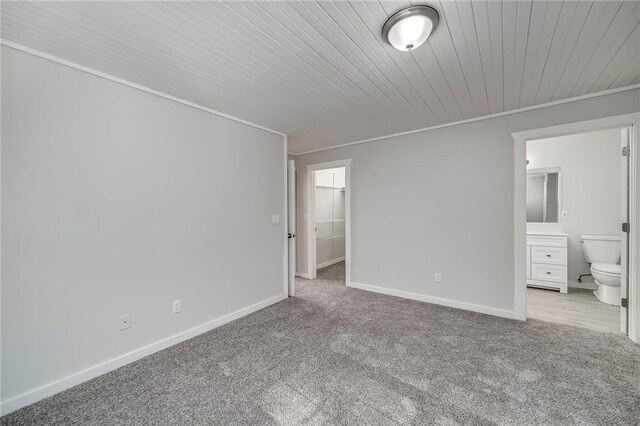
x,y
53,388
504,313
520,216
79,67
633,275
291,228
484,117
285,221
330,262
625,163
303,275
1,232
311,222
311,241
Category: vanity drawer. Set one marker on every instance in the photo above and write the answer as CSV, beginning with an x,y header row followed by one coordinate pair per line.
x,y
549,255
547,272
546,240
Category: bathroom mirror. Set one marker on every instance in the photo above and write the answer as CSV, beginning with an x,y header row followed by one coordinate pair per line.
x,y
543,195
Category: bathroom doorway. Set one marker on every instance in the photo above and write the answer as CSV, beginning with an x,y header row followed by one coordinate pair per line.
x,y
576,190
328,210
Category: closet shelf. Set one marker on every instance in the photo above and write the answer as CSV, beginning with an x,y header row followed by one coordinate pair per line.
x,y
335,237
330,187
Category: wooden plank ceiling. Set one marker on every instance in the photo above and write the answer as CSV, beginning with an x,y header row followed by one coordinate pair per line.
x,y
321,72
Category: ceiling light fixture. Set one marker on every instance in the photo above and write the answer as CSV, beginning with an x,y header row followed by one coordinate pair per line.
x,y
408,28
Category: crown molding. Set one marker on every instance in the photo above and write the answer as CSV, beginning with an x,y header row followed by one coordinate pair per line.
x,y
484,117
106,76
248,123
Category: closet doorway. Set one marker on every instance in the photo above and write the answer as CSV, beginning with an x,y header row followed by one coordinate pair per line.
x,y
328,217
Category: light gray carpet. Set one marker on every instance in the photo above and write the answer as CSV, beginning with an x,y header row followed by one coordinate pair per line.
x,y
331,273
335,355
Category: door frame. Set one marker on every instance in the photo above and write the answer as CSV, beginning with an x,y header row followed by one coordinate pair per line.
x,y
291,228
311,220
631,121
285,221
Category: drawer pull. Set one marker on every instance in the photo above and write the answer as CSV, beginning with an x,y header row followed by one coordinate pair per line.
x,y
548,255
548,273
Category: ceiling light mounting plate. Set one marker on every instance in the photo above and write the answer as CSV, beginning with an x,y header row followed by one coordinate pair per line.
x,y
409,28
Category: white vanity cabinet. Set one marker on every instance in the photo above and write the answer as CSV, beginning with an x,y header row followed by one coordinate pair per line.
x,y
547,260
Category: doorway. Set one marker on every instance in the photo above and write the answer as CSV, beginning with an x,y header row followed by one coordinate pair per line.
x,y
567,205
328,220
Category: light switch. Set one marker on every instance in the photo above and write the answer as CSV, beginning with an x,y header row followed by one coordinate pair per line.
x,y
565,214
275,219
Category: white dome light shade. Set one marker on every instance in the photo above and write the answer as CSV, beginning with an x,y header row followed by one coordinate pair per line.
x,y
409,28
409,33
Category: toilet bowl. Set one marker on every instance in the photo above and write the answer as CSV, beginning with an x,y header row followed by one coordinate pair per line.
x,y
607,277
602,252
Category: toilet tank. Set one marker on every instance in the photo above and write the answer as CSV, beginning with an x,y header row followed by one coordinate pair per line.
x,y
601,248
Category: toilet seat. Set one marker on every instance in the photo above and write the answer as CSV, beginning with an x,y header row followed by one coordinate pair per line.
x,y
607,269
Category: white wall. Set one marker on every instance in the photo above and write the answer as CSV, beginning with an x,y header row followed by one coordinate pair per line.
x,y
118,201
442,200
591,189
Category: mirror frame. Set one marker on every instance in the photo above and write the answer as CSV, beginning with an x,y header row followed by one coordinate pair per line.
x,y
545,171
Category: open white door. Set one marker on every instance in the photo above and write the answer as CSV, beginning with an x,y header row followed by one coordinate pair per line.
x,y
291,215
624,258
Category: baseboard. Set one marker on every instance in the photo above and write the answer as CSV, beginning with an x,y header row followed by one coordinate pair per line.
x,y
329,263
436,300
53,388
303,275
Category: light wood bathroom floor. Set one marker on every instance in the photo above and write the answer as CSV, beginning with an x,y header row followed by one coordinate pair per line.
x,y
579,307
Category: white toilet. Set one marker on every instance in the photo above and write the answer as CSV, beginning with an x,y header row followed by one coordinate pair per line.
x,y
603,253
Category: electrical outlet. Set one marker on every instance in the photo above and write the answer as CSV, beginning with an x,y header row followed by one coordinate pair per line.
x,y
125,322
275,219
176,306
437,277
